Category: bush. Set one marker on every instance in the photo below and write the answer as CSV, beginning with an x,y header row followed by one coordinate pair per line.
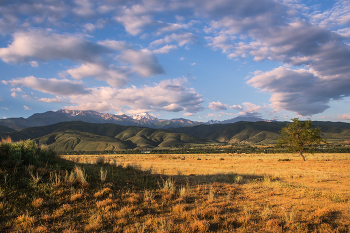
x,y
24,152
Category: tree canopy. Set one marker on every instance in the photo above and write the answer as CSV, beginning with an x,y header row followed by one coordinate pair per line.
x,y
300,136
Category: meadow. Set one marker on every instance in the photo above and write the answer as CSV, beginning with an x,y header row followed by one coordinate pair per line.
x,y
268,192
41,192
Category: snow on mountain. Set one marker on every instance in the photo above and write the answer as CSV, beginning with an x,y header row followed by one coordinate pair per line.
x,y
143,117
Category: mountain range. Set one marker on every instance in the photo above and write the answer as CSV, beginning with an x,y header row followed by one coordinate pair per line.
x,y
82,136
143,120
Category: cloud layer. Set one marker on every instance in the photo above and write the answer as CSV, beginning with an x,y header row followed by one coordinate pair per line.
x,y
39,45
311,46
168,95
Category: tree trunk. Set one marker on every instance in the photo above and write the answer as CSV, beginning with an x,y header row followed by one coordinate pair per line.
x,y
301,154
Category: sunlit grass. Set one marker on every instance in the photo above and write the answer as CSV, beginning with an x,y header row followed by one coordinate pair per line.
x,y
177,193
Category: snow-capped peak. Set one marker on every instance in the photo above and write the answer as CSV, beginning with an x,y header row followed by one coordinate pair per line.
x,y
142,116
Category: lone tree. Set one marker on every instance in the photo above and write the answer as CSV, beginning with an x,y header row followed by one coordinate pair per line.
x,y
300,136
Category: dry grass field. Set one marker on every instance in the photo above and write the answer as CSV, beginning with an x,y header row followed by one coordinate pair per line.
x,y
227,193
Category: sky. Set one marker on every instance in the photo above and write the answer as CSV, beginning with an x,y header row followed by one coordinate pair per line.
x,y
196,59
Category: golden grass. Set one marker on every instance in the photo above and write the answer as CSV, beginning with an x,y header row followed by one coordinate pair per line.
x,y
218,193
245,192
326,171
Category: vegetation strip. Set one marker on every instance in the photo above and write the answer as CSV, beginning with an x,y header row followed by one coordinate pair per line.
x,y
41,192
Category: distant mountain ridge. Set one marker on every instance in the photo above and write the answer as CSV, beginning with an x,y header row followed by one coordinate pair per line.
x,y
142,120
236,119
262,132
64,115
82,136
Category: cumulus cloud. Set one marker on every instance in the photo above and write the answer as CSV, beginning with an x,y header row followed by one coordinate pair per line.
x,y
33,12
250,109
44,46
143,61
236,107
84,8
170,27
114,76
27,108
99,24
314,46
337,16
34,63
135,19
16,89
321,54
52,86
344,117
48,100
221,42
165,49
182,39
168,95
217,106
114,45
300,91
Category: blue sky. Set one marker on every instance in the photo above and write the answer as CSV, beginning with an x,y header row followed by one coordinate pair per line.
x,y
197,59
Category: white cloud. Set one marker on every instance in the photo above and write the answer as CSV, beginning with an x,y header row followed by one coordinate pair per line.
x,y
217,106
143,61
16,89
31,13
216,115
250,108
34,63
135,19
173,107
99,24
47,100
182,39
300,91
5,108
338,15
236,107
321,53
344,117
84,8
316,48
114,45
165,49
170,27
221,42
27,108
52,86
44,46
168,95
114,76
